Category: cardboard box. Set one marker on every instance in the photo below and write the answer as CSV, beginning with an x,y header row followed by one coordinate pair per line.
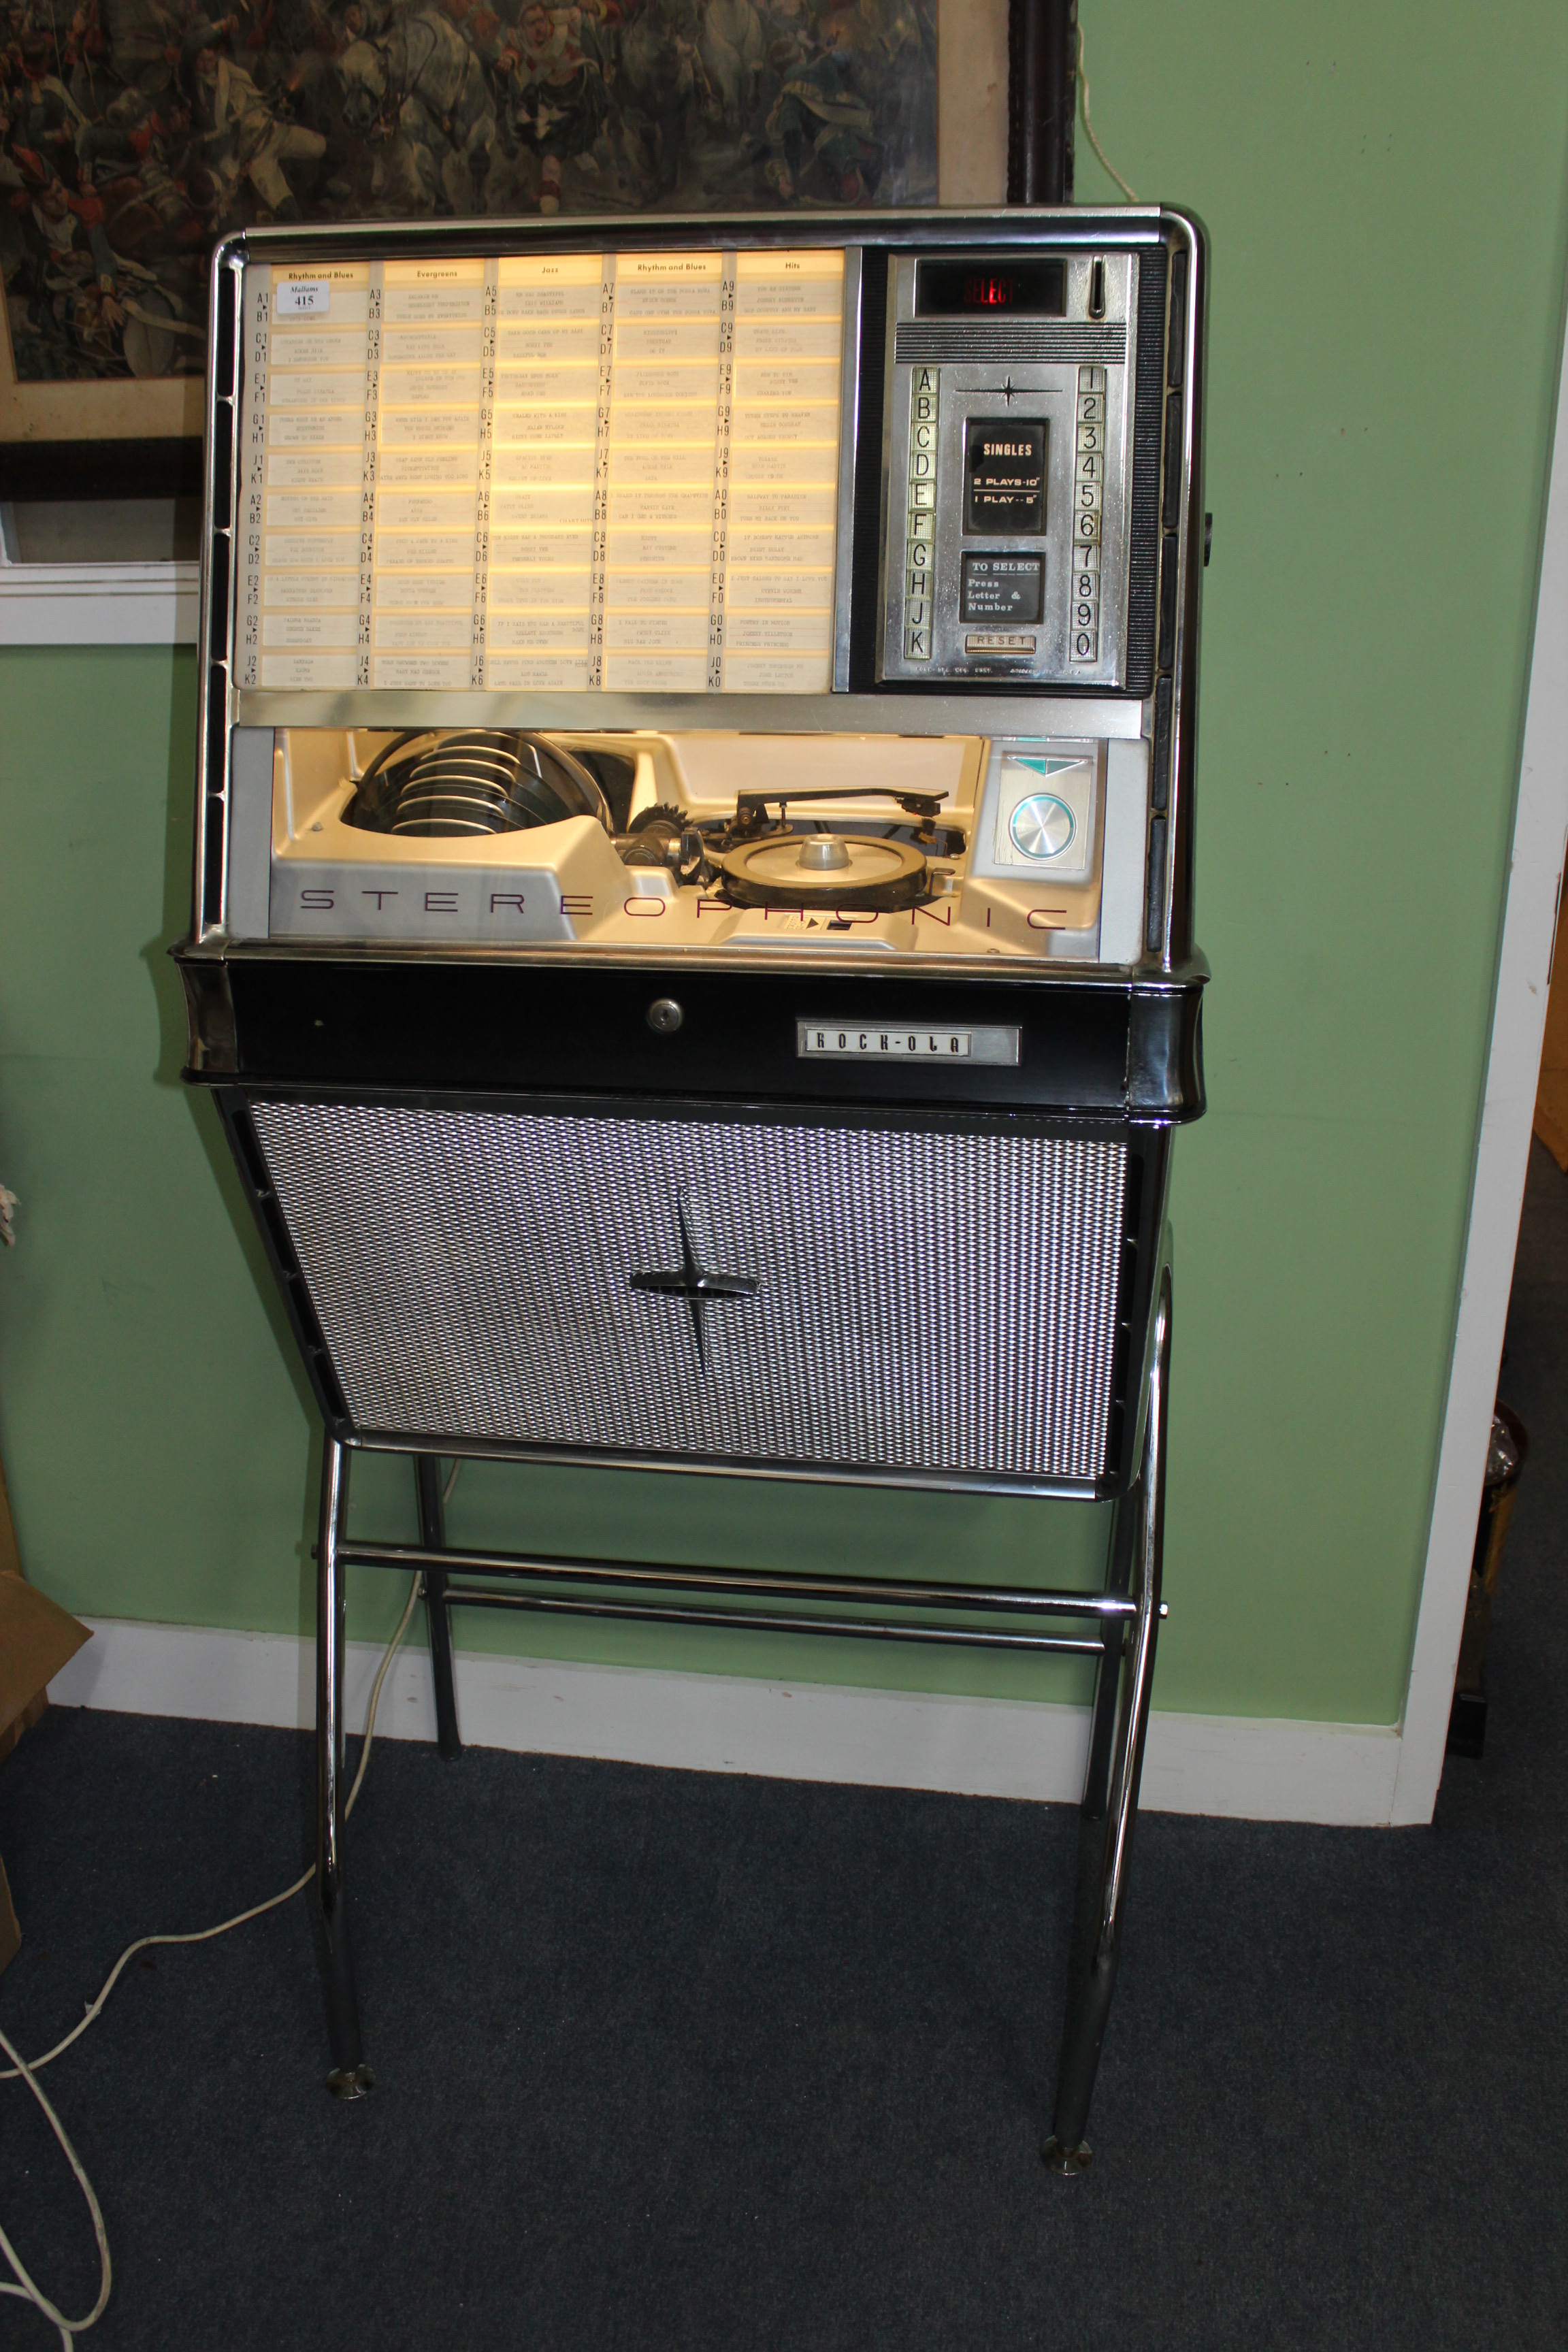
x,y
36,1638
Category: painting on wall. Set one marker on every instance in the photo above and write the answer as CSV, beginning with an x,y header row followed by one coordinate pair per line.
x,y
133,133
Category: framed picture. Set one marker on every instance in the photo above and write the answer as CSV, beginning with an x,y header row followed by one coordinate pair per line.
x,y
135,132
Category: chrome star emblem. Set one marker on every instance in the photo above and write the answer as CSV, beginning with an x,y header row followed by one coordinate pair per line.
x,y
701,1286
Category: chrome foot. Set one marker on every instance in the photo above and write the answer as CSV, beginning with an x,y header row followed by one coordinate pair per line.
x,y
1066,2160
350,2082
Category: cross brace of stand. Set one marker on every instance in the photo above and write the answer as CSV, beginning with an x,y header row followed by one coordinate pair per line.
x,y
1121,1626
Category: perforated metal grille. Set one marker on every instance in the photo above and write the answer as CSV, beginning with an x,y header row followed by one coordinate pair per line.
x,y
926,1301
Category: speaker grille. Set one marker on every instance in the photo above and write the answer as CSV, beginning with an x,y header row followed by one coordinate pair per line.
x,y
925,1301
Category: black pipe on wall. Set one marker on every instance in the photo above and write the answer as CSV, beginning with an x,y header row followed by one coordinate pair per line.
x,y
1042,88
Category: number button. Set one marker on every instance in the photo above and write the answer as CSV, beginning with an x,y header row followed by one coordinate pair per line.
x,y
1089,436
1091,408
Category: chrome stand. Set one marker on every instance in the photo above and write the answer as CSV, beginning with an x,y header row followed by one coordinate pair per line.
x,y
1117,1733
437,1607
349,2077
1125,1615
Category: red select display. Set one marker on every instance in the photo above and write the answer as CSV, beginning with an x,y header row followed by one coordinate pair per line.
x,y
957,289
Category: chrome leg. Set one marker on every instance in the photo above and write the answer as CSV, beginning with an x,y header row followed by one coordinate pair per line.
x,y
1120,1724
437,1611
349,2077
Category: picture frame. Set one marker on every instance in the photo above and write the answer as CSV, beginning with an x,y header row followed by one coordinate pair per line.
x,y
854,101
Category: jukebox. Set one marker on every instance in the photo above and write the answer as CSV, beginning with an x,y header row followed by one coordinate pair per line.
x,y
692,934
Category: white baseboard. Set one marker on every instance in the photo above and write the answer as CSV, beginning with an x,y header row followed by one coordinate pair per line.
x,y
1243,1766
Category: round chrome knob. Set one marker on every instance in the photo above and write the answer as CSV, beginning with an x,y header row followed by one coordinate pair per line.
x,y
1041,826
820,854
664,1016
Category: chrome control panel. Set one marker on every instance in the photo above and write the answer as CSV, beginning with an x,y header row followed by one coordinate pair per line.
x,y
1007,529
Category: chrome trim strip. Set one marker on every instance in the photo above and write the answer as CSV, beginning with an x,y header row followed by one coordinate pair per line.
x,y
756,956
223,259
848,450
1060,1490
911,711
1182,748
1065,224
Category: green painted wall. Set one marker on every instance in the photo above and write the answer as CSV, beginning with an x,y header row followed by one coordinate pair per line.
x,y
1379,186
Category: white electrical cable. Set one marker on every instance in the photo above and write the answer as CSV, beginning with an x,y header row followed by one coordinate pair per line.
x,y
27,2291
24,2070
1088,127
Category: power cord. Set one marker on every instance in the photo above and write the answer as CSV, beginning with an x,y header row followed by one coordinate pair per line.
x,y
1088,127
27,2071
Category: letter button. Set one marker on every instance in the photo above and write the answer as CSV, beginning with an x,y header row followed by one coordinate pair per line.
x,y
923,525
922,436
